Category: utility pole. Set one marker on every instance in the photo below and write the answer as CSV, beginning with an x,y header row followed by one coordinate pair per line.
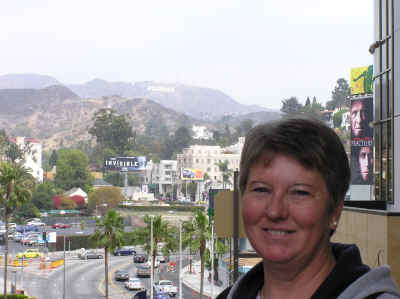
x,y
151,255
212,259
180,259
64,295
235,226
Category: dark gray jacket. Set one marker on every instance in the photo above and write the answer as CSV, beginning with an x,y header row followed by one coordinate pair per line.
x,y
349,279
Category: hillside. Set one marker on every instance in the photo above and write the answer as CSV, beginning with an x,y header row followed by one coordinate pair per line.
x,y
57,117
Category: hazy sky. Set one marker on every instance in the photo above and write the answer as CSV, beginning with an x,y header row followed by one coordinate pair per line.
x,y
258,52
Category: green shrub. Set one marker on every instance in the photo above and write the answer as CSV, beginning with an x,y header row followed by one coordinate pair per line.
x,y
16,296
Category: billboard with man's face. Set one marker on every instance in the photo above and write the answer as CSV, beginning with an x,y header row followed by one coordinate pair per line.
x,y
361,141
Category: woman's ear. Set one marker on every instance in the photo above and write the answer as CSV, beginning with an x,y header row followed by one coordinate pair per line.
x,y
335,217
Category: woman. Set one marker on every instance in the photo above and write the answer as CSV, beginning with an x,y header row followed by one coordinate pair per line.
x,y
294,175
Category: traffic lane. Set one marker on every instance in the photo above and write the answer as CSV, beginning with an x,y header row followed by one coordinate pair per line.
x,y
84,279
160,273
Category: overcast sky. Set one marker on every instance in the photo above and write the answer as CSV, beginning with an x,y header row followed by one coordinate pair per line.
x,y
257,52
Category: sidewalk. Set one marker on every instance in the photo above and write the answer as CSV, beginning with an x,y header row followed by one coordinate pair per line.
x,y
192,280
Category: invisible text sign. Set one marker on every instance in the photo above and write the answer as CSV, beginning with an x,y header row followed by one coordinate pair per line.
x,y
125,163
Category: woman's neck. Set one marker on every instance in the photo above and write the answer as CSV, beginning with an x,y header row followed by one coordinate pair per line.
x,y
296,282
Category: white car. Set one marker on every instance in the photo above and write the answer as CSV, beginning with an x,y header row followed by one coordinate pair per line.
x,y
36,223
134,284
166,286
156,263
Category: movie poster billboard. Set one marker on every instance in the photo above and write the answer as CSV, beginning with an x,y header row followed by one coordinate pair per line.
x,y
191,174
125,163
361,141
361,80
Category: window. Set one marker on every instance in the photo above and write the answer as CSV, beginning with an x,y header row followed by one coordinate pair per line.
x,y
384,115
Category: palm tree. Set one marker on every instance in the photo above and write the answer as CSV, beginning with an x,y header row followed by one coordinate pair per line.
x,y
227,173
108,235
162,232
16,186
200,234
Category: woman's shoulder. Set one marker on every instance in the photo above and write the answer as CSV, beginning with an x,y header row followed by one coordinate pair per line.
x,y
376,283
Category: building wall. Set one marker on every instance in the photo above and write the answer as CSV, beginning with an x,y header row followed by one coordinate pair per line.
x,y
377,235
33,159
206,157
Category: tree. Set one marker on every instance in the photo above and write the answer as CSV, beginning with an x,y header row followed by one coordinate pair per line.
x,y
291,106
337,118
244,127
108,235
340,95
67,203
16,185
227,173
104,198
200,234
53,159
308,102
162,232
73,170
112,130
42,196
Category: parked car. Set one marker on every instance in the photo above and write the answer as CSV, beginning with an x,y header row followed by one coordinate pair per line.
x,y
143,270
140,258
29,253
121,275
91,254
36,223
134,284
125,251
61,225
166,286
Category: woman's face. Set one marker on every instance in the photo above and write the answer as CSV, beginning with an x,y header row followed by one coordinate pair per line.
x,y
285,211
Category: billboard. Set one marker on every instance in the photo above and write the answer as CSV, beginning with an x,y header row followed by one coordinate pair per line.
x,y
191,174
361,141
125,163
361,80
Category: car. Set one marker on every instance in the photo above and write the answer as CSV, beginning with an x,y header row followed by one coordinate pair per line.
x,y
36,223
60,225
134,284
124,251
161,259
29,253
121,275
145,295
143,270
156,263
166,286
140,258
91,254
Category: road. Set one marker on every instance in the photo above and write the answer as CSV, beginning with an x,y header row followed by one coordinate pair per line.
x,y
85,279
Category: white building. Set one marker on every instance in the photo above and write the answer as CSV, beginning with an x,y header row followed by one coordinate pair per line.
x,y
33,157
201,132
206,157
164,174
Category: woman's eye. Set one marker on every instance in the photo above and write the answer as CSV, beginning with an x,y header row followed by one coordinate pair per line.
x,y
261,189
301,192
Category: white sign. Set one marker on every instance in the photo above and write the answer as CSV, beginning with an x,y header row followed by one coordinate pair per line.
x,y
52,237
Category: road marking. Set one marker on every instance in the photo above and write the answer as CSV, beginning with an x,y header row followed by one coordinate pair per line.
x,y
123,292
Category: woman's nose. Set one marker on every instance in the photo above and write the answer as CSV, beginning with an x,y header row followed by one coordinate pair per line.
x,y
276,208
